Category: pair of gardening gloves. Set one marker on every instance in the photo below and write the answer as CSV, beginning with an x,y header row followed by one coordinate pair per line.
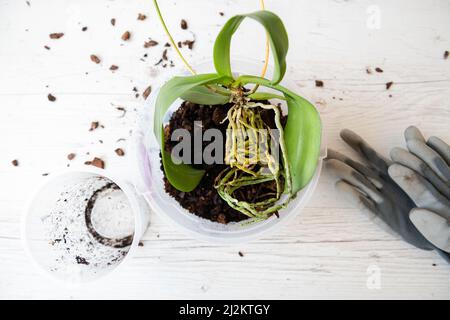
x,y
408,195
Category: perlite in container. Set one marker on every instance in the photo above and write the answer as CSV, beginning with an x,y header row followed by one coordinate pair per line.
x,y
81,225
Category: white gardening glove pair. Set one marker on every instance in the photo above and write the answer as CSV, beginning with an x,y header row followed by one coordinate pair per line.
x,y
410,195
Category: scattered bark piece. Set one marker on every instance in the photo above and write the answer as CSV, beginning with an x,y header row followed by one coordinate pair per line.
x,y
96,162
56,35
47,47
95,59
15,163
84,29
94,125
240,254
51,97
126,36
71,156
319,83
189,43
123,110
221,14
379,70
150,43
81,260
184,24
141,244
446,54
113,67
389,85
164,55
221,218
113,21
119,152
141,17
147,92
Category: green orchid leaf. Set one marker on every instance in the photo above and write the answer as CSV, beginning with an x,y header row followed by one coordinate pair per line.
x,y
278,39
182,176
265,96
206,96
302,134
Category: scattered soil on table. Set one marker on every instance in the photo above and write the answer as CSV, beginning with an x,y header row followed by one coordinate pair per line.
x,y
184,24
95,59
150,43
119,152
94,125
187,43
96,162
147,92
51,97
389,85
56,35
126,36
204,201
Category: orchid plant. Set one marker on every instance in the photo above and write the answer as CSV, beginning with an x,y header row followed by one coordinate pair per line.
x,y
299,140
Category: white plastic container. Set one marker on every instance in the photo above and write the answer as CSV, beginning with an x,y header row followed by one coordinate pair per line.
x,y
64,196
147,153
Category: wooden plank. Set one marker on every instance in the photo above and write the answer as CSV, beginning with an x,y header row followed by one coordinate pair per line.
x,y
327,249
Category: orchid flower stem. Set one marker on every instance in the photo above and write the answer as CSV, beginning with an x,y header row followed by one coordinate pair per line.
x,y
189,67
266,59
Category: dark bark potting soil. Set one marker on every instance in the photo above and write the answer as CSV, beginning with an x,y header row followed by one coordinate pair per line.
x,y
204,201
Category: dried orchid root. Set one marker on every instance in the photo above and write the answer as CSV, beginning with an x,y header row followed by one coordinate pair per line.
x,y
252,159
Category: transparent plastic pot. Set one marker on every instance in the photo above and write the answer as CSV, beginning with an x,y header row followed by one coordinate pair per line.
x,y
152,187
66,194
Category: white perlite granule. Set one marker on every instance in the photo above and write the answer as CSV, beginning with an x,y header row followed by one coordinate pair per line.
x,y
76,251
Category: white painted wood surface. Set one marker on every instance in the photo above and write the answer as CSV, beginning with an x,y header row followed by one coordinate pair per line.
x,y
326,251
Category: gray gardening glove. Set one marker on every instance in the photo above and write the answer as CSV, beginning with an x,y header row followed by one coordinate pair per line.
x,y
370,187
424,174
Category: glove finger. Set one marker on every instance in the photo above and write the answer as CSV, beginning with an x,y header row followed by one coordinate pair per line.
x,y
365,150
440,147
413,133
434,227
419,190
357,198
431,158
350,175
370,174
413,162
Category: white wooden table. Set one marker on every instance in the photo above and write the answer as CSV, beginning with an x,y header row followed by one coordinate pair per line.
x,y
328,248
